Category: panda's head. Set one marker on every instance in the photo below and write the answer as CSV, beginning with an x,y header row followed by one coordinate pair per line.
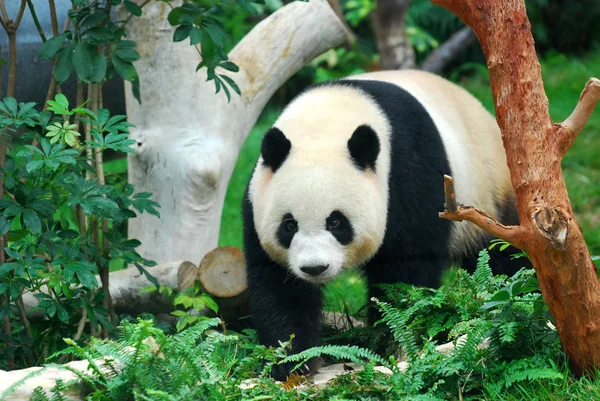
x,y
319,204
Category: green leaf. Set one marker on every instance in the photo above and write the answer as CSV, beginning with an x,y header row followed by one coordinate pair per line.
x,y
229,66
195,36
182,32
63,315
98,68
215,30
10,266
210,303
32,221
11,105
247,6
125,69
44,207
64,65
133,8
85,274
82,61
49,48
100,34
5,223
126,53
34,165
231,83
175,15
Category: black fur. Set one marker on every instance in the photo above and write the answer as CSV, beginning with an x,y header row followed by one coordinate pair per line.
x,y
414,249
287,230
364,147
275,148
343,230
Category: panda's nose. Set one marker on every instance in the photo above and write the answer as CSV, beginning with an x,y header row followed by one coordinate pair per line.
x,y
314,270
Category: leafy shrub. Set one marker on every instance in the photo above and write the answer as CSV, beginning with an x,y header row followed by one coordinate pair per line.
x,y
53,213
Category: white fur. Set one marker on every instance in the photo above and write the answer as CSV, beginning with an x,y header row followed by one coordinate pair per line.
x,y
315,248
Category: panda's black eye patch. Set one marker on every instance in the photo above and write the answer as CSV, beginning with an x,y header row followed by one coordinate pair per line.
x,y
287,229
339,226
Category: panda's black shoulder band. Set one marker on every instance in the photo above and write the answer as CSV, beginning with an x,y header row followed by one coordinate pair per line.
x,y
275,148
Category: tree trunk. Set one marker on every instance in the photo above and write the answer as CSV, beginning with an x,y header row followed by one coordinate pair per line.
x,y
535,147
188,137
389,21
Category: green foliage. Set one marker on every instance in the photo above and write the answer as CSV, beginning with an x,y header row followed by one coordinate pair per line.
x,y
47,246
94,47
199,20
502,351
188,303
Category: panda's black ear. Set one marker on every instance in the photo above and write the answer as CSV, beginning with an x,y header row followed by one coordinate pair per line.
x,y
364,147
275,148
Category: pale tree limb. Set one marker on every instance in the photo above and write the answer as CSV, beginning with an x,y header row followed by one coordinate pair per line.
x,y
569,129
514,235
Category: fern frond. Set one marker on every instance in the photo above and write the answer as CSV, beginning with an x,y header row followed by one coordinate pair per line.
x,y
396,320
39,395
467,349
353,353
483,275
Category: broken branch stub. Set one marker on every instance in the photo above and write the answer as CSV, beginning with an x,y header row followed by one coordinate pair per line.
x,y
569,129
455,211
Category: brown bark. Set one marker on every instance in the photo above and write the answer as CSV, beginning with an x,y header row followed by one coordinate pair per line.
x,y
393,45
534,149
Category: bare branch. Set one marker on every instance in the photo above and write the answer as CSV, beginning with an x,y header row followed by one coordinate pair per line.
x,y
53,17
569,129
20,15
3,23
3,12
515,235
443,55
450,205
36,21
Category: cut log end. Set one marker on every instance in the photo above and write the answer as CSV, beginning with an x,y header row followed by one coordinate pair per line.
x,y
222,272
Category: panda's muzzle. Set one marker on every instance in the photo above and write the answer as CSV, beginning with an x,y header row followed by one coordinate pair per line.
x,y
314,270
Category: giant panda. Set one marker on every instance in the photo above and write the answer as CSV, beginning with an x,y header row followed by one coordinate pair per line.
x,y
351,175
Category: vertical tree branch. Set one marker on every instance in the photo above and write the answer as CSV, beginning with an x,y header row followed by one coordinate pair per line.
x,y
7,327
534,150
393,45
53,17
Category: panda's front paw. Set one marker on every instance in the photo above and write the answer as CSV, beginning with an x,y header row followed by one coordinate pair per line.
x,y
281,372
